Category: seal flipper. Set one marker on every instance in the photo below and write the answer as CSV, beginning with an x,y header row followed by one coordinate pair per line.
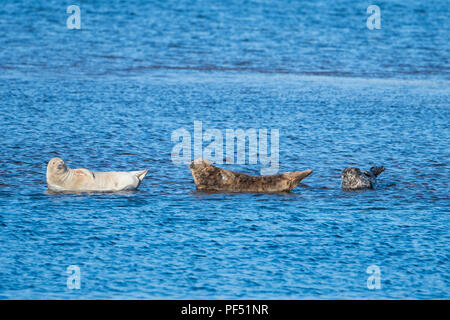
x,y
295,177
140,174
300,175
84,172
377,170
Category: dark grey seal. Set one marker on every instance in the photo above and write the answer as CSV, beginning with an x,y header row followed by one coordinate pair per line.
x,y
354,179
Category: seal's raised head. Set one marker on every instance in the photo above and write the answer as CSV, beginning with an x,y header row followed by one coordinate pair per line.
x,y
56,166
56,170
199,164
202,171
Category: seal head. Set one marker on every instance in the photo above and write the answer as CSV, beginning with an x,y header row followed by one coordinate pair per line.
x,y
56,171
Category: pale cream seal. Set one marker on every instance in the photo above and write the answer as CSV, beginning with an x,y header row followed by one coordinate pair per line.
x,y
62,178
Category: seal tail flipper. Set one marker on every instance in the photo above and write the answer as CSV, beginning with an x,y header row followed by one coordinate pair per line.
x,y
140,174
377,170
300,175
296,177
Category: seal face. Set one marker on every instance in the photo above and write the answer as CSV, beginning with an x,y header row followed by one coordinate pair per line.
x,y
355,179
210,178
62,178
56,172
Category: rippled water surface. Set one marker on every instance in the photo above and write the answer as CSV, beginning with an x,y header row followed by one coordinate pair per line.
x,y
109,96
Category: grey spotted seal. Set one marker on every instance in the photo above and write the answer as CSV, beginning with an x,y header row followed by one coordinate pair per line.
x,y
62,178
355,179
211,178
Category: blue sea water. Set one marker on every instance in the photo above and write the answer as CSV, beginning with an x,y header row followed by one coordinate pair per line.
x,y
109,96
